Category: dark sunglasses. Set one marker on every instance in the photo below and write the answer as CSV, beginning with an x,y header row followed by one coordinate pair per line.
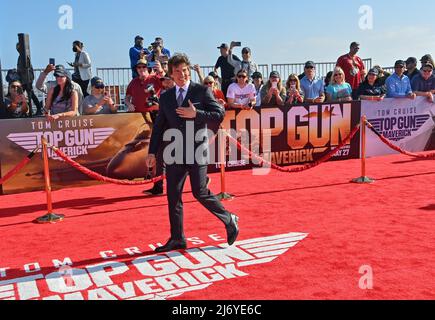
x,y
99,87
399,67
15,87
142,67
208,83
309,68
241,77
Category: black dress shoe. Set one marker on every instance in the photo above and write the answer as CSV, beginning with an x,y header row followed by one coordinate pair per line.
x,y
155,191
172,245
232,229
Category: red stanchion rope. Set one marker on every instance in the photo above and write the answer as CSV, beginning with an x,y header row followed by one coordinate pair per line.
x,y
396,148
325,158
96,176
18,167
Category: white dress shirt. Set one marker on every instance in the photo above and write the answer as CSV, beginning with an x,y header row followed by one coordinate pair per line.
x,y
185,88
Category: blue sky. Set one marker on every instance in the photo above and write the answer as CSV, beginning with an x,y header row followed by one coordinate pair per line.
x,y
279,31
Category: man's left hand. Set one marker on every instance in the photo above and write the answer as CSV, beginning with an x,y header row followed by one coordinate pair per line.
x,y
187,113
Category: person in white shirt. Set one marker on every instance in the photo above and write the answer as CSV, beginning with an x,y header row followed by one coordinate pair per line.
x,y
242,94
82,67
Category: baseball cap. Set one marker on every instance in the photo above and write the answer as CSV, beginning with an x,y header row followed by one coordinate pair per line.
x,y
213,74
165,77
374,71
97,82
310,64
426,57
60,71
399,63
223,46
141,61
411,60
427,65
354,44
274,74
246,50
138,38
257,75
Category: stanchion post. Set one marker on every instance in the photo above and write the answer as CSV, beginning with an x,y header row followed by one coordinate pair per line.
x,y
50,217
363,178
224,196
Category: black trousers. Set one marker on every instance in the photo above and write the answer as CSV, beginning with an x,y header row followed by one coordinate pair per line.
x,y
176,177
83,85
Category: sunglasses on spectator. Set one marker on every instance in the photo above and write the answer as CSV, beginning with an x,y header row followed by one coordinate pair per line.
x,y
293,80
399,67
15,87
240,76
338,74
142,67
208,83
309,68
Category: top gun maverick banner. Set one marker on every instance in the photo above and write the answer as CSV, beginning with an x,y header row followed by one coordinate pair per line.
x,y
299,135
410,124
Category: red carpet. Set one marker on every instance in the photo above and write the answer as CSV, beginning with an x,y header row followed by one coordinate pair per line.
x,y
388,226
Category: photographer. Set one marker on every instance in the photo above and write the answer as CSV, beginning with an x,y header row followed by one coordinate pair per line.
x,y
273,93
99,101
294,93
136,53
246,63
157,53
16,101
45,86
142,97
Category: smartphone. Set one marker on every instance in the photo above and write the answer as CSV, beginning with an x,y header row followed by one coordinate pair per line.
x,y
20,91
151,64
274,85
52,61
237,44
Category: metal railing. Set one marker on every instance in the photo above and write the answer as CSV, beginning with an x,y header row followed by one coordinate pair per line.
x,y
121,77
322,68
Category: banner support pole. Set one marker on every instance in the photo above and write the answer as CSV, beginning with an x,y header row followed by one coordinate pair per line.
x,y
223,196
363,179
50,217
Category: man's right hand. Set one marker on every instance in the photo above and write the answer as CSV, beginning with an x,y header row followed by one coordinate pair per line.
x,y
49,68
150,160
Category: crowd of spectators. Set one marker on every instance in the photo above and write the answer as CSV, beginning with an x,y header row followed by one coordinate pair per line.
x,y
239,86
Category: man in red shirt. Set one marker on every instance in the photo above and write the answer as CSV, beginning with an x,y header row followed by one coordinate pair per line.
x,y
141,97
353,66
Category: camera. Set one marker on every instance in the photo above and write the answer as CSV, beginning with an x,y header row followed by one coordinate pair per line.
x,y
153,99
20,91
237,44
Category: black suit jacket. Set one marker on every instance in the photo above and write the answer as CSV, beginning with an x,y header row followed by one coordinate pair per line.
x,y
209,115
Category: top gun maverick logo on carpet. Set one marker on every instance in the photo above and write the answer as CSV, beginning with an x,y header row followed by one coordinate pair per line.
x,y
73,136
146,277
398,123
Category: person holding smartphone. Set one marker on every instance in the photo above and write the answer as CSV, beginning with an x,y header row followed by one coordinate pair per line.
x,y
16,101
294,93
273,92
99,101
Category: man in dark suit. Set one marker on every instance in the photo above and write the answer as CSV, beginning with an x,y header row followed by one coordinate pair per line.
x,y
187,106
